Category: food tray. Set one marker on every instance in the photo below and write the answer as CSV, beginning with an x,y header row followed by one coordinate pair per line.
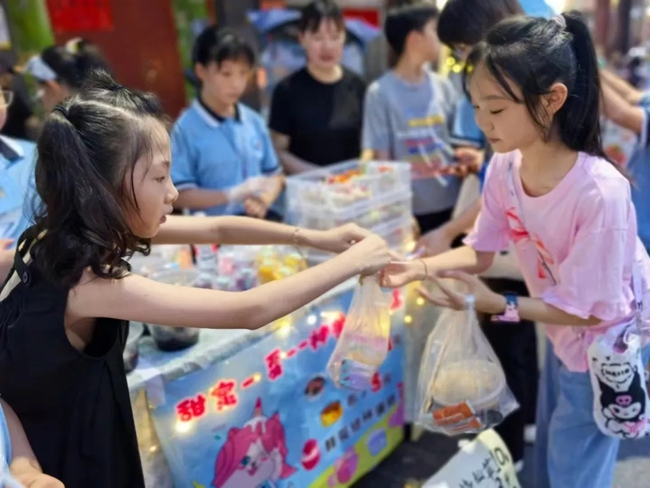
x,y
367,213
331,189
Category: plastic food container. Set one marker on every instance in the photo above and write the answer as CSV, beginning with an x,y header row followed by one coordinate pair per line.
x,y
130,354
175,338
371,194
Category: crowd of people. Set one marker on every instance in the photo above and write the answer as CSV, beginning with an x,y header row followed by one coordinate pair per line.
x,y
108,176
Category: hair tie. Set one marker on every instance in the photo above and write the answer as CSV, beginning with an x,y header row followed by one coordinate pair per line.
x,y
62,110
72,46
116,87
560,20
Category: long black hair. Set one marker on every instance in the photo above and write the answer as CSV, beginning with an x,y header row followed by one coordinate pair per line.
x,y
318,11
467,21
73,61
87,150
534,53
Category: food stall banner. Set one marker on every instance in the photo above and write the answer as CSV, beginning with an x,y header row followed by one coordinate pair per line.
x,y
270,417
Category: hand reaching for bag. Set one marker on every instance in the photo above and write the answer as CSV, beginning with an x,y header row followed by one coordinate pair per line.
x,y
334,240
370,255
486,300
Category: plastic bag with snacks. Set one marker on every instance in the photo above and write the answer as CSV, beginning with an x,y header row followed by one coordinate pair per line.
x,y
461,386
363,344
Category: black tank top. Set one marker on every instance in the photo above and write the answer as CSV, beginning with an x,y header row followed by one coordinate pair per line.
x,y
74,405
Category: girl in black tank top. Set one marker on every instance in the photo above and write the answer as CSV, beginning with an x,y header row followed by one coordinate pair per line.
x,y
102,175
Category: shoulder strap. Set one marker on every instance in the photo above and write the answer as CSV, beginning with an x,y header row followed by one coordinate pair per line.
x,y
19,265
637,287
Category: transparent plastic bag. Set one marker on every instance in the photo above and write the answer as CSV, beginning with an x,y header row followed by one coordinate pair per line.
x,y
363,344
461,386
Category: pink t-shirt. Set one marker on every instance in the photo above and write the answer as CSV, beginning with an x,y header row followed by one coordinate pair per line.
x,y
585,229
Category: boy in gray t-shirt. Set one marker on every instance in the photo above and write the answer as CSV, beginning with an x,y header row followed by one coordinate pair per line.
x,y
409,111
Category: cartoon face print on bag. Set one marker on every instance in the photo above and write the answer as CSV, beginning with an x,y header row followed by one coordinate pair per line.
x,y
622,399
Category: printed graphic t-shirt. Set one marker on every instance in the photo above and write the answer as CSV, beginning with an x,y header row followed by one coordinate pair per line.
x,y
412,123
585,230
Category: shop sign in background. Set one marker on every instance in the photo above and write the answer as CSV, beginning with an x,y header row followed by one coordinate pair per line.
x,y
270,417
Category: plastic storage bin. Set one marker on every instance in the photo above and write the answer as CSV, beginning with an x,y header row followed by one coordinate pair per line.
x,y
331,189
374,195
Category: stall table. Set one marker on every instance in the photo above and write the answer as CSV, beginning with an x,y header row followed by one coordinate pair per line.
x,y
246,409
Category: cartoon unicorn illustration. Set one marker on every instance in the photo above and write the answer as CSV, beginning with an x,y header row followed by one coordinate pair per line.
x,y
255,455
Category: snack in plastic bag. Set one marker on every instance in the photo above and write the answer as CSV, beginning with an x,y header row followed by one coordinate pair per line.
x,y
363,344
461,386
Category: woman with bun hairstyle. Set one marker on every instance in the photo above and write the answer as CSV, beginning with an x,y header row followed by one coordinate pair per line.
x,y
61,70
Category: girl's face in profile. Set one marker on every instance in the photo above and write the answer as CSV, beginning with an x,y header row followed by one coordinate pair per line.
x,y
153,190
506,123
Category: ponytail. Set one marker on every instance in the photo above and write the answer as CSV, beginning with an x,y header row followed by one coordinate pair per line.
x,y
535,53
579,119
77,205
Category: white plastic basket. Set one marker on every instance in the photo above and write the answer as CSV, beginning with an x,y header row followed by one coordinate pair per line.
x,y
381,192
315,189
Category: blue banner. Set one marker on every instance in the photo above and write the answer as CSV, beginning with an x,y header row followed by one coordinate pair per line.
x,y
270,417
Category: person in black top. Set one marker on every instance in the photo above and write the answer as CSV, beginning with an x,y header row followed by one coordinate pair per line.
x,y
316,113
102,175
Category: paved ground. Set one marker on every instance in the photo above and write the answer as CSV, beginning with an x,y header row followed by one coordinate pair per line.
x,y
413,463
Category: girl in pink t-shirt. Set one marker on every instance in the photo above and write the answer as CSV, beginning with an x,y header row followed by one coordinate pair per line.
x,y
551,192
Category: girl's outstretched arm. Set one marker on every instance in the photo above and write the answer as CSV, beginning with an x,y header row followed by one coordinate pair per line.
x,y
139,299
24,466
463,258
250,231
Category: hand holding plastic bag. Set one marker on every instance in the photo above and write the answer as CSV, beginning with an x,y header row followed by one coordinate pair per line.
x,y
461,386
363,344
